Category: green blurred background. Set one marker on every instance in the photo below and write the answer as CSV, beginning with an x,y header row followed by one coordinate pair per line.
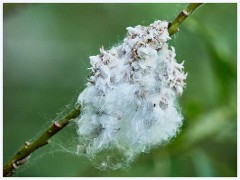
x,y
46,50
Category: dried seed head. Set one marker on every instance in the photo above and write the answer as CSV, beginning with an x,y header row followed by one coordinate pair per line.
x,y
135,89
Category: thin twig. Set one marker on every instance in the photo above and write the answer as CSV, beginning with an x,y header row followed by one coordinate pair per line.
x,y
174,26
29,147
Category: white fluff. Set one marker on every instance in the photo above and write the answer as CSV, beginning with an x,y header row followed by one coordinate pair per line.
x,y
129,105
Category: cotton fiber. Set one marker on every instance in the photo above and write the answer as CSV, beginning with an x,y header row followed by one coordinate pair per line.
x,y
129,105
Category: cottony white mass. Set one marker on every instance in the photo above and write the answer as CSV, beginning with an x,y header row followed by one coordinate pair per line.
x,y
129,105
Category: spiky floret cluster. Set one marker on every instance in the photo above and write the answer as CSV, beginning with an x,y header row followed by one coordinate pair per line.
x,y
129,105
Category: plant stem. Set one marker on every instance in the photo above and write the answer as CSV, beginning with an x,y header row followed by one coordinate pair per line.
x,y
24,153
174,26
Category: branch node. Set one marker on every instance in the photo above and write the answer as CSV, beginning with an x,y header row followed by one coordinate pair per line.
x,y
57,125
27,143
23,161
172,28
185,13
14,165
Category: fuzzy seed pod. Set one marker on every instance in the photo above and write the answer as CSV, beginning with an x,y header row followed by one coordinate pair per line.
x,y
129,105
